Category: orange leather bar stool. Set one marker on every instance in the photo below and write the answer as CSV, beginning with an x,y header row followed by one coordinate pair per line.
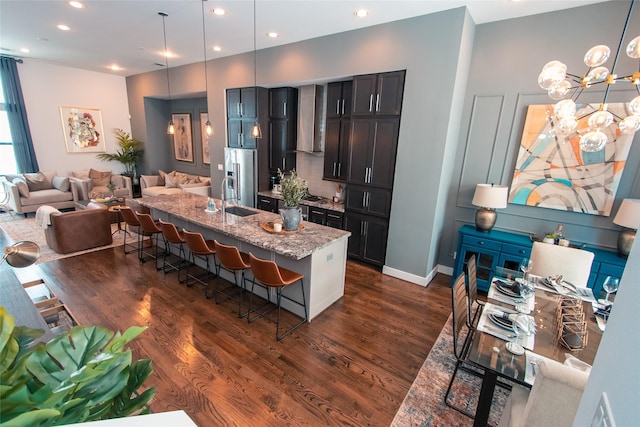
x,y
270,275
173,238
131,225
204,250
149,228
234,261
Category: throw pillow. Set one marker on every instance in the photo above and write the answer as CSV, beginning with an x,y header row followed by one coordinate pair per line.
x,y
23,188
99,178
170,181
60,183
37,181
161,175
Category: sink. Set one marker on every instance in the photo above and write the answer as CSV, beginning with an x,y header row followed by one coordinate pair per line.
x,y
239,211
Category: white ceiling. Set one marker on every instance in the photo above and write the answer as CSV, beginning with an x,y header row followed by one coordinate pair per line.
x,y
129,33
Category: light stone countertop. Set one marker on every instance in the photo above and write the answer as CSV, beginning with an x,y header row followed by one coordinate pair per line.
x,y
191,207
326,203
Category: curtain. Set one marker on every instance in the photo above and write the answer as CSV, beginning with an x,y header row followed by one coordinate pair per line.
x,y
17,114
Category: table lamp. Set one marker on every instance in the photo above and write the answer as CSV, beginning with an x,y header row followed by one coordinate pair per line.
x,y
21,254
628,216
489,197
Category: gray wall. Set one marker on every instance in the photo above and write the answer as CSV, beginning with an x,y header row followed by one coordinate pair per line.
x,y
507,58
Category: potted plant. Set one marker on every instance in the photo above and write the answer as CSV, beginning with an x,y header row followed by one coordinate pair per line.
x,y
83,374
293,189
129,154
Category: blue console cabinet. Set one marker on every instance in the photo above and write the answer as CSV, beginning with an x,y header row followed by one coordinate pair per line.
x,y
500,248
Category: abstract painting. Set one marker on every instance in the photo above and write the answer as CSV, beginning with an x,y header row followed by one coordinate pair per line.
x,y
82,129
553,172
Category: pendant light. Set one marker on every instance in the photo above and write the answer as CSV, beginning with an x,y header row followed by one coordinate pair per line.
x,y
171,128
207,126
256,132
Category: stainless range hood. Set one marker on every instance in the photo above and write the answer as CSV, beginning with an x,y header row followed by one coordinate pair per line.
x,y
311,117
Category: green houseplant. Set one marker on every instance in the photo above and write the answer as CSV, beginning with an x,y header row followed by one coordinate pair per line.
x,y
83,374
293,189
129,154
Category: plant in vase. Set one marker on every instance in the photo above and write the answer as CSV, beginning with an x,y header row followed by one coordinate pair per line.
x,y
293,189
129,154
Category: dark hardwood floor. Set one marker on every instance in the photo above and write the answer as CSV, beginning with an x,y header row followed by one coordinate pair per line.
x,y
352,365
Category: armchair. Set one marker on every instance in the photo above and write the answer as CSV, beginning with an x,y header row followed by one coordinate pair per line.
x,y
79,230
93,181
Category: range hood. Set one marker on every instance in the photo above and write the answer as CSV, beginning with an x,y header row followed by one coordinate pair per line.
x,y
311,117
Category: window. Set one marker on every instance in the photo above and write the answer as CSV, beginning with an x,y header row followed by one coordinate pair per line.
x,y
7,157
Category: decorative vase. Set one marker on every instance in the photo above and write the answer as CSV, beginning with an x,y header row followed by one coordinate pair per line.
x,y
291,217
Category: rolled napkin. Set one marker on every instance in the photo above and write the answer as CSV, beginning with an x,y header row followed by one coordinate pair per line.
x,y
522,322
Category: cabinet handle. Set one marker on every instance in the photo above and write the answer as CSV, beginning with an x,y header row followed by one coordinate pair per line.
x,y
238,109
343,107
242,109
371,103
364,199
240,140
368,198
334,168
333,216
339,168
338,107
522,251
362,228
284,166
366,228
377,102
481,243
284,109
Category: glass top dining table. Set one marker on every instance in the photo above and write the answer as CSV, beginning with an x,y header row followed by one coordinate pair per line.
x,y
484,348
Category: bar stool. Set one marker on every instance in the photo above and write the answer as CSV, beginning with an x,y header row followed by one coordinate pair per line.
x,y
204,250
149,228
173,238
234,261
131,224
270,275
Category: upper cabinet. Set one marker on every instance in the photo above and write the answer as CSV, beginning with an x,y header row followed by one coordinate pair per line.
x,y
339,99
283,117
283,103
242,103
245,106
378,94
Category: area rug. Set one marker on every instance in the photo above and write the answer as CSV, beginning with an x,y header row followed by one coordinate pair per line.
x,y
18,228
424,403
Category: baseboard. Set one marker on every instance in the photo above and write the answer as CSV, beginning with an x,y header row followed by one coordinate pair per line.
x,y
413,278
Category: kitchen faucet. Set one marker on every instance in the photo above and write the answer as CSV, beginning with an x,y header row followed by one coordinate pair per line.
x,y
224,192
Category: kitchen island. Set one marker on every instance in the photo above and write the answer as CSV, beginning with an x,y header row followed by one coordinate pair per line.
x,y
318,252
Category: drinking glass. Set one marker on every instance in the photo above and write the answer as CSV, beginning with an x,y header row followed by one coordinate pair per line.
x,y
610,285
525,267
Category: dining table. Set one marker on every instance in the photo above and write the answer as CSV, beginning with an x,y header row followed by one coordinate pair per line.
x,y
490,343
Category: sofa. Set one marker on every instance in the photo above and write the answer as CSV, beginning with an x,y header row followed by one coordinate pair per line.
x,y
79,230
28,191
91,183
167,183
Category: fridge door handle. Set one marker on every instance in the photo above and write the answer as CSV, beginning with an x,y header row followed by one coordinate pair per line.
x,y
238,189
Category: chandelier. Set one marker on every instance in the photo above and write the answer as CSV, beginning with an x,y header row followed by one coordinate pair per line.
x,y
566,88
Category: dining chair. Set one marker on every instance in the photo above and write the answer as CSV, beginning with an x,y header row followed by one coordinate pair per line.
x,y
204,250
472,284
270,275
552,401
551,260
173,238
149,228
234,261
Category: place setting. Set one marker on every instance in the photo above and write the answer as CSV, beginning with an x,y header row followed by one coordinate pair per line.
x,y
518,329
518,292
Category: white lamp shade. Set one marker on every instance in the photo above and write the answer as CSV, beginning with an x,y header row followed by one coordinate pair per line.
x,y
629,214
490,196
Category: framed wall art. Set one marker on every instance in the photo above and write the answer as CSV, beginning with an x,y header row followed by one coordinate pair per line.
x,y
204,117
82,128
553,172
182,139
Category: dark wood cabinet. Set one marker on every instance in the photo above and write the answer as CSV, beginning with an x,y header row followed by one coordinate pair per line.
x,y
242,103
367,200
368,240
334,219
268,204
245,106
336,149
239,134
283,129
372,151
339,99
378,94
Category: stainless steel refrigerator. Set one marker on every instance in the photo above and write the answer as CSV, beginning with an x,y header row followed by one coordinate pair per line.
x,y
242,165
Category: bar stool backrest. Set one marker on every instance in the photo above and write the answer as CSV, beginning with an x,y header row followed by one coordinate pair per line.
x,y
265,271
129,216
147,223
197,244
229,257
170,232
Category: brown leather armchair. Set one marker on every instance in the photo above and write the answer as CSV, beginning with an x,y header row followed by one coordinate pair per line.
x,y
79,230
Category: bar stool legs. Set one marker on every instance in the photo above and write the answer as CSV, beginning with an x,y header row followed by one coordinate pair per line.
x,y
234,261
269,275
175,238
205,251
151,229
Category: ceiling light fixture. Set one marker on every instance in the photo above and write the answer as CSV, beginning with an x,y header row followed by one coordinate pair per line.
x,y
560,84
272,34
76,4
256,132
207,125
217,48
171,128
63,27
361,13
218,11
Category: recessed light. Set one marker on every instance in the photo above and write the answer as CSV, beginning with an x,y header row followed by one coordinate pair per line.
x,y
24,50
218,11
63,27
217,48
272,34
168,54
361,13
115,67
76,4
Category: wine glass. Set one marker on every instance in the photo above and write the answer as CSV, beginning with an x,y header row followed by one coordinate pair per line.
x,y
525,267
610,285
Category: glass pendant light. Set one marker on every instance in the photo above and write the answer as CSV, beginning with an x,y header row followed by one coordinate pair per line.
x,y
171,129
256,132
207,126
